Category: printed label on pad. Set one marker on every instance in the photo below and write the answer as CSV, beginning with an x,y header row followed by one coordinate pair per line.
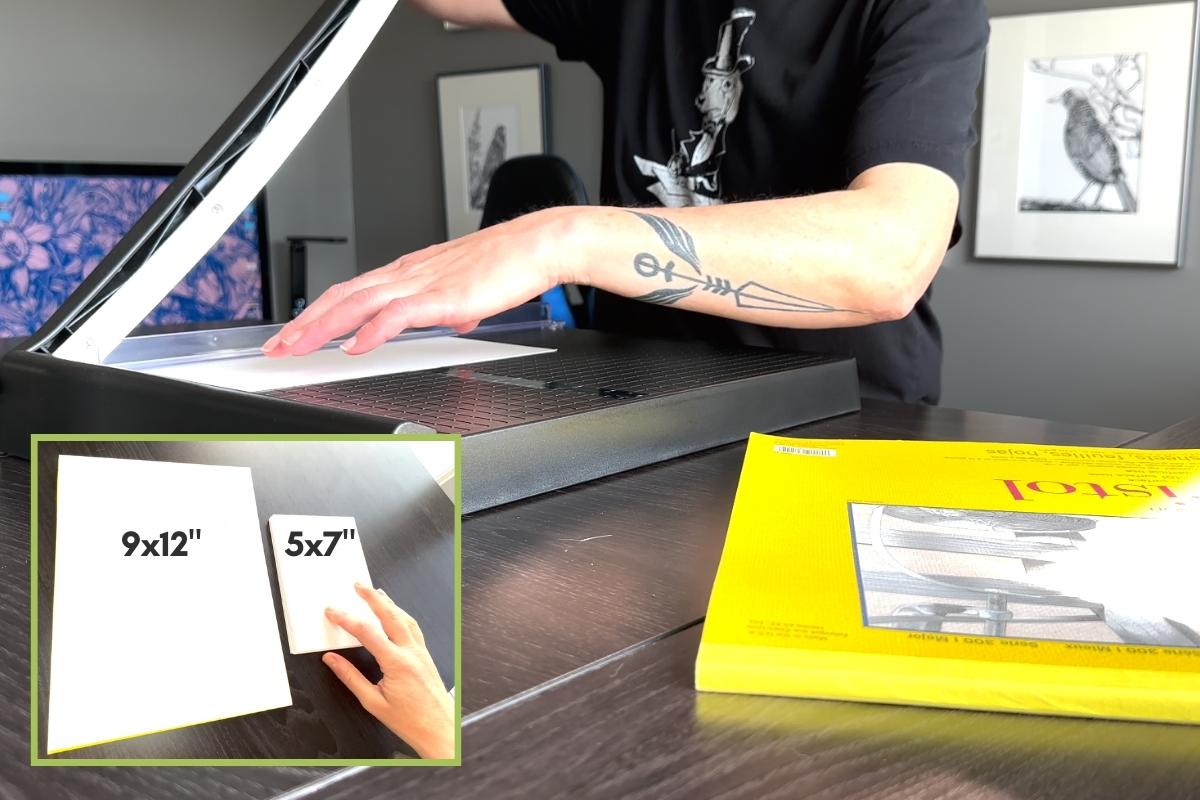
x,y
318,560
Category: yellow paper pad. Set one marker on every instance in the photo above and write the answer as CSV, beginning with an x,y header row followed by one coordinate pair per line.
x,y
1031,578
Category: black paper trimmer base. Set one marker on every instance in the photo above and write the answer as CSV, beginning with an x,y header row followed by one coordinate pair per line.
x,y
599,405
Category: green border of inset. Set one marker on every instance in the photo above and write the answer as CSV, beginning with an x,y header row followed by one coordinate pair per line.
x,y
36,439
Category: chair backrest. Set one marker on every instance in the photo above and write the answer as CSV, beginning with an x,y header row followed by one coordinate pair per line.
x,y
527,183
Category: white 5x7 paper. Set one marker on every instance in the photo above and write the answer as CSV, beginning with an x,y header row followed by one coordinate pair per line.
x,y
318,560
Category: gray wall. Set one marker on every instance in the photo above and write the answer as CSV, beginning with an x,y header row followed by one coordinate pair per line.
x,y
150,80
1103,344
393,110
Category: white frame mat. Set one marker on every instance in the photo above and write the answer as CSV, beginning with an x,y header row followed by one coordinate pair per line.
x,y
1154,233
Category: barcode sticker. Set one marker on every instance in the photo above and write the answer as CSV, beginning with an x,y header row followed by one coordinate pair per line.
x,y
805,451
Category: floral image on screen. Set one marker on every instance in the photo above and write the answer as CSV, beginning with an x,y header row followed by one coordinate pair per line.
x,y
55,229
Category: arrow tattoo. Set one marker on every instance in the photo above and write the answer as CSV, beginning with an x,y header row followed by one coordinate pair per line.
x,y
677,240
750,295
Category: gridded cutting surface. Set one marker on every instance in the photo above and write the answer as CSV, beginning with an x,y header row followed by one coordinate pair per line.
x,y
497,394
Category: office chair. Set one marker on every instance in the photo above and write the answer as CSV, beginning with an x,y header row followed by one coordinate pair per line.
x,y
528,183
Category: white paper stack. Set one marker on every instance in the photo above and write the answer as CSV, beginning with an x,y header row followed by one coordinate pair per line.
x,y
257,373
318,560
147,642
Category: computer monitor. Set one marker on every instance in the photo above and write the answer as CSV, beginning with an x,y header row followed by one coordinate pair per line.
x,y
58,221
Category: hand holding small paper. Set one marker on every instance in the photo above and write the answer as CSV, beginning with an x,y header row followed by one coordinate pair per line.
x,y
410,698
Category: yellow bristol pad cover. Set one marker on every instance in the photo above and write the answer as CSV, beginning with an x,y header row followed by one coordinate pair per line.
x,y
1030,578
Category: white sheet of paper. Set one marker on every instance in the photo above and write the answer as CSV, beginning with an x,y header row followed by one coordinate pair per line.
x,y
262,374
317,572
146,643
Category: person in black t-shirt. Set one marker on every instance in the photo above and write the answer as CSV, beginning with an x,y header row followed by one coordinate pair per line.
x,y
775,172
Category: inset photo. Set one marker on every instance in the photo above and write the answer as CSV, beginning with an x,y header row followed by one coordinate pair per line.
x,y
245,600
1022,575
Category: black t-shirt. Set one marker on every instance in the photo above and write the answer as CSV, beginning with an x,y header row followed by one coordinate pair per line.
x,y
708,101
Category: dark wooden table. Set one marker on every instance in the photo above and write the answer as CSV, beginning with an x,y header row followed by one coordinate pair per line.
x,y
581,612
1185,434
634,728
407,526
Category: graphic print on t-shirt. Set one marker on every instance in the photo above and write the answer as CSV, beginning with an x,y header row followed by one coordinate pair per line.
x,y
692,176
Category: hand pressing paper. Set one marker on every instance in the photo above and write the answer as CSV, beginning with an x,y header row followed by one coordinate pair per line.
x,y
318,559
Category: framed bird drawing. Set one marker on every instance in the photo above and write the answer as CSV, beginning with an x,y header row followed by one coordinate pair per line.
x,y
1086,136
486,118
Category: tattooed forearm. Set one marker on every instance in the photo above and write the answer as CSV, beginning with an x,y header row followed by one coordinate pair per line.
x,y
750,295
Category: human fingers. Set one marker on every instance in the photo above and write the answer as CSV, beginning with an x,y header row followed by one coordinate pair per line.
x,y
370,635
280,344
422,310
368,694
399,626
467,328
345,317
283,342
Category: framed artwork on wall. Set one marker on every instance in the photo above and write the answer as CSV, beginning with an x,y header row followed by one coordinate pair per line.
x,y
1086,138
486,118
